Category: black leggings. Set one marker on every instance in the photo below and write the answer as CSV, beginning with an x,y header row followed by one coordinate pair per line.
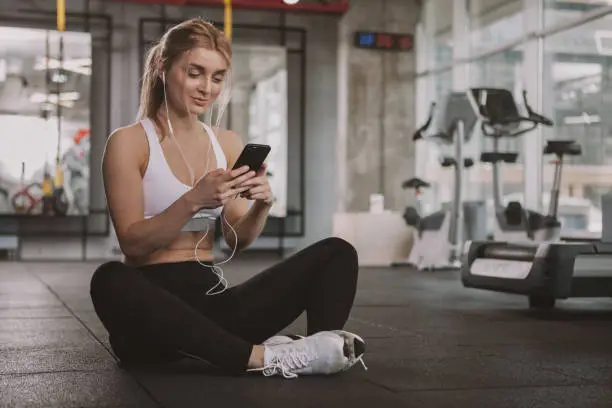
x,y
159,313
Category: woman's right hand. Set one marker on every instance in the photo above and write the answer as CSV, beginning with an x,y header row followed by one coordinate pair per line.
x,y
218,187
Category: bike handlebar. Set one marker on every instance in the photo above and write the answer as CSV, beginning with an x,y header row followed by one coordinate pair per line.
x,y
536,117
533,118
419,133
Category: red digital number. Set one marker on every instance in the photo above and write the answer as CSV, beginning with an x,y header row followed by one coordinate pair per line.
x,y
406,43
384,41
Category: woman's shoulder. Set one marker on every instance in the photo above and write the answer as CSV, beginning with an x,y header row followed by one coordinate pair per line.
x,y
225,134
228,138
230,142
130,138
135,128
132,134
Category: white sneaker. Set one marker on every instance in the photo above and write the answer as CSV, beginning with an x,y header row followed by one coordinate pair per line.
x,y
321,353
354,348
281,339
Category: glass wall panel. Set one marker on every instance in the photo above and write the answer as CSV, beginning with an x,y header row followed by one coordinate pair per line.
x,y
443,50
442,33
493,23
578,95
44,122
561,11
438,18
259,109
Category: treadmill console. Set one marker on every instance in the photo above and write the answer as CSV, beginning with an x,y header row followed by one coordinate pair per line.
x,y
455,107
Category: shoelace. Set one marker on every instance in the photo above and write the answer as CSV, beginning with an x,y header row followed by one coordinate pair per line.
x,y
356,359
285,362
360,359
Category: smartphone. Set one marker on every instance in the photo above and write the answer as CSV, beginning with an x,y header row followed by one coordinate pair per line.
x,y
253,155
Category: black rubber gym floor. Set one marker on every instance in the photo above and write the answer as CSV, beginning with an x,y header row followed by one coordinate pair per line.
x,y
431,343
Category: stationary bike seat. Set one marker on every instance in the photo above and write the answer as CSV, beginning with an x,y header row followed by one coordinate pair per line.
x,y
495,157
415,183
562,148
450,161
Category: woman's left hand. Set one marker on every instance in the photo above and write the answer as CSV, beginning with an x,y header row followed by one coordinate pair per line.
x,y
259,188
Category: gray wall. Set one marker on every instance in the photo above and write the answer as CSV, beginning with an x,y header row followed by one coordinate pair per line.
x,y
378,89
321,116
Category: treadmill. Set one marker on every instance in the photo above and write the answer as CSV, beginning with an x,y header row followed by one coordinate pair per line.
x,y
543,271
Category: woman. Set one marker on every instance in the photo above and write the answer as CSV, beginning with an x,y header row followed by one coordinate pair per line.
x,y
162,303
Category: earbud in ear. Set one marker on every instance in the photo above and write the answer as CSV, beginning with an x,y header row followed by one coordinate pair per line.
x,y
164,77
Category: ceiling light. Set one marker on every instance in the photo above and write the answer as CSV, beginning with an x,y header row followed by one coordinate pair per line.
x,y
78,65
59,78
584,119
21,34
39,97
291,2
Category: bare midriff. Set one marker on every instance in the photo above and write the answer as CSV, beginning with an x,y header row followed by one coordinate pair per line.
x,y
182,249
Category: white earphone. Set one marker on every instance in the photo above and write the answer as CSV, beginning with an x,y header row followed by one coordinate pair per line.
x,y
214,266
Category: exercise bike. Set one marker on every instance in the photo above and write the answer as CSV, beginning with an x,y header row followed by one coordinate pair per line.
x,y
412,214
439,236
499,118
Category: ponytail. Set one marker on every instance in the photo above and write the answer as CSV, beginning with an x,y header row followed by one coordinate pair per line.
x,y
152,90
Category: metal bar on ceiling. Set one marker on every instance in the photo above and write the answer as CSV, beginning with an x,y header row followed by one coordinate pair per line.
x,y
531,36
326,7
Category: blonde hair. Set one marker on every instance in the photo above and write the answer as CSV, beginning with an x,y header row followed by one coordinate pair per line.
x,y
177,40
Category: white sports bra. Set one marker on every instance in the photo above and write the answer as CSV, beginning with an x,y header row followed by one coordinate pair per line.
x,y
161,188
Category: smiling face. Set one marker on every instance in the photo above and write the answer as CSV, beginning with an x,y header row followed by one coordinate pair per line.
x,y
195,81
188,68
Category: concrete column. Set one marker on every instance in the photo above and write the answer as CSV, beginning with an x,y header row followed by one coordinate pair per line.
x,y
376,107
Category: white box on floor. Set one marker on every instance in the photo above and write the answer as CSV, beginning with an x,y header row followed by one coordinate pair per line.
x,y
379,238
